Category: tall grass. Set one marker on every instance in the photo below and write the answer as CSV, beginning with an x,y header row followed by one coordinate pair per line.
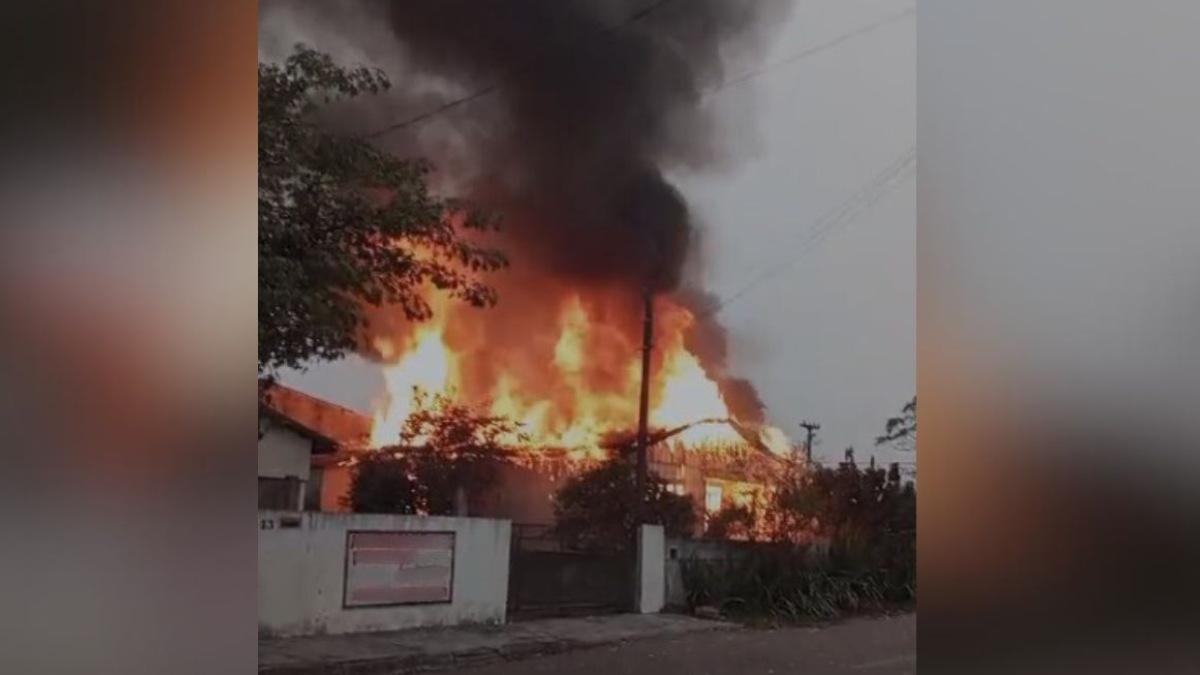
x,y
790,584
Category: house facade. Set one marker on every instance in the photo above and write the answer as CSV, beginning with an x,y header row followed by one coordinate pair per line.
x,y
715,478
293,424
284,461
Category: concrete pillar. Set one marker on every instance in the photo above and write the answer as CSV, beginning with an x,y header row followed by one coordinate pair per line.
x,y
652,569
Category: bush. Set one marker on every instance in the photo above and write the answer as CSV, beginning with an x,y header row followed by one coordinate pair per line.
x,y
443,448
422,480
867,519
787,584
732,522
383,484
842,503
598,508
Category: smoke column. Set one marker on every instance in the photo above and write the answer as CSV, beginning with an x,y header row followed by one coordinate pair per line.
x,y
588,111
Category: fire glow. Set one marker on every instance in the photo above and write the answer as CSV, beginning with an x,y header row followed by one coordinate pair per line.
x,y
567,390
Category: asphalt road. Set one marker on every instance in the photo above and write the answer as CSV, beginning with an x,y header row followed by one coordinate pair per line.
x,y
885,646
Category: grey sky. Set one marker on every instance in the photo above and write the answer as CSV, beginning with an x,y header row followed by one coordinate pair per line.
x,y
1059,238
832,338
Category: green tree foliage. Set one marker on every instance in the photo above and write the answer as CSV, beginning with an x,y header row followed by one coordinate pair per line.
x,y
901,431
844,543
867,518
843,502
342,225
444,448
598,508
732,522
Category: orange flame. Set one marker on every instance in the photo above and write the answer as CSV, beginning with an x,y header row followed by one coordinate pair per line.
x,y
422,363
592,388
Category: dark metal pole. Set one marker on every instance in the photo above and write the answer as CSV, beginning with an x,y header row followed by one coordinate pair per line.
x,y
643,439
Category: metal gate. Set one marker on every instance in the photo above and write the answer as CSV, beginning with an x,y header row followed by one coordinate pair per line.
x,y
547,578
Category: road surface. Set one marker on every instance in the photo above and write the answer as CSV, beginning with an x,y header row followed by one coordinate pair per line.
x,y
885,646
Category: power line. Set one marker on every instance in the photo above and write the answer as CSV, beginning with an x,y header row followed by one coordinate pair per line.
x,y
492,88
744,77
814,50
866,197
884,182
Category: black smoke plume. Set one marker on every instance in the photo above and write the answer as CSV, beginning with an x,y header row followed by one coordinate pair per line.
x,y
595,106
589,103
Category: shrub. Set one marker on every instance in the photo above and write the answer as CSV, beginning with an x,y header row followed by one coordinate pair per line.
x,y
787,584
866,519
443,448
598,508
732,522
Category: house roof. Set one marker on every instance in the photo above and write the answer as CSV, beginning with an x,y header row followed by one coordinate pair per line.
x,y
321,442
331,425
626,442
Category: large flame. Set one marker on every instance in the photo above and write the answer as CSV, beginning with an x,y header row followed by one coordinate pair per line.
x,y
422,363
588,388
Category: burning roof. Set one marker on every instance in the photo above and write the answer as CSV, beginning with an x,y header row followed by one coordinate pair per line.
x,y
349,430
761,439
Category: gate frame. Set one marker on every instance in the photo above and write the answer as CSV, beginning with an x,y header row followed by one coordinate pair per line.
x,y
627,557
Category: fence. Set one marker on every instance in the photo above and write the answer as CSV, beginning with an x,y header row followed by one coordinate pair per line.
x,y
548,578
345,573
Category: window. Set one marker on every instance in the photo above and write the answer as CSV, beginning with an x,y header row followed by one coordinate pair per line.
x,y
712,497
676,489
279,494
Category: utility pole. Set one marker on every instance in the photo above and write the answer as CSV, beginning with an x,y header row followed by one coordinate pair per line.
x,y
811,430
643,439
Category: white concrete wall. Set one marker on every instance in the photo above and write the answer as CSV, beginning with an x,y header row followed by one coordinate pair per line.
x,y
283,453
652,587
679,550
301,573
712,551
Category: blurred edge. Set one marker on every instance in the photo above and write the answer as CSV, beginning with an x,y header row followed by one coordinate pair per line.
x,y
126,286
1058,510
1058,327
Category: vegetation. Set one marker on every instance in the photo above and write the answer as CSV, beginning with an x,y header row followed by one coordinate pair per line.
x,y
842,541
598,508
733,522
791,584
843,503
901,431
343,226
445,450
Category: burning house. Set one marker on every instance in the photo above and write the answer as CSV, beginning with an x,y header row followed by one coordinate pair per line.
x,y
714,475
589,104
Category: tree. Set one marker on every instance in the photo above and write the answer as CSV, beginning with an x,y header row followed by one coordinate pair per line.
x,y
901,431
444,450
598,508
830,502
384,483
732,522
343,226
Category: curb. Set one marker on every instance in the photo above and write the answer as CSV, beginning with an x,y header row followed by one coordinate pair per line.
x,y
426,663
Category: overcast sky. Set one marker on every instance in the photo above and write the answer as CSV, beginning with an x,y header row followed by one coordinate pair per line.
x,y
832,337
